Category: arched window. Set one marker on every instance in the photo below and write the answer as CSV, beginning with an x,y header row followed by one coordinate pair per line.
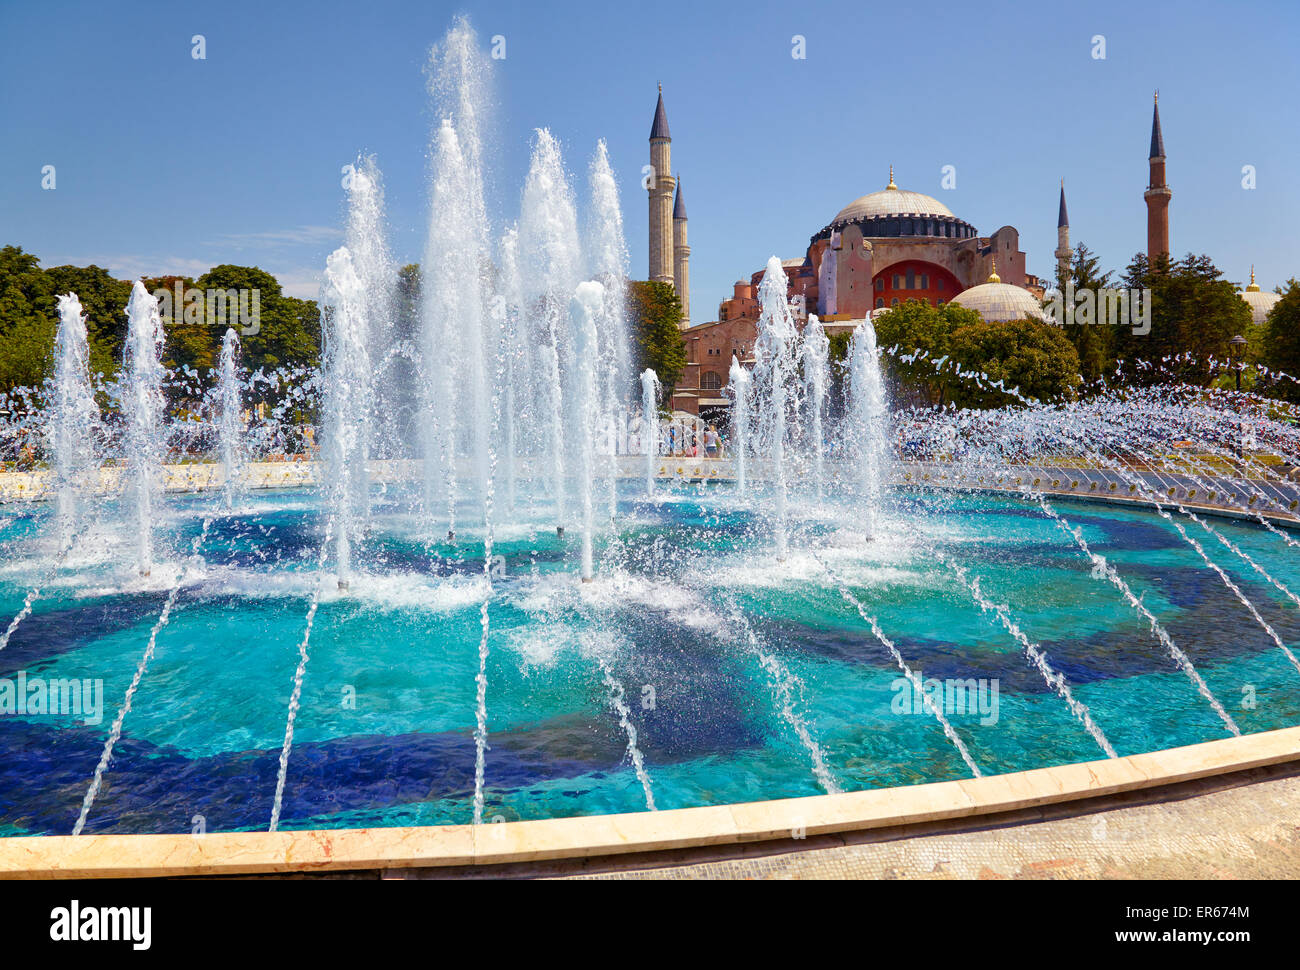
x,y
880,302
711,382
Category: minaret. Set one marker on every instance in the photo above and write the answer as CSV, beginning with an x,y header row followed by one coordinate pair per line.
x,y
1062,239
681,256
661,197
1157,193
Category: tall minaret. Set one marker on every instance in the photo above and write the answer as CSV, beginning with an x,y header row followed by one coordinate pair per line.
x,y
681,256
661,197
1157,193
1062,239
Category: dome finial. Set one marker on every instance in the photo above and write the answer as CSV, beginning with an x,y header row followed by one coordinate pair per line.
x,y
891,184
1253,288
993,276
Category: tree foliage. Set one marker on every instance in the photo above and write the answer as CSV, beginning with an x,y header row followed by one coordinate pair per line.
x,y
289,328
1035,357
915,326
1092,344
1194,313
655,314
1030,355
1281,350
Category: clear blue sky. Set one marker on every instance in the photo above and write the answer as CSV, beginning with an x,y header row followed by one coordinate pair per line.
x,y
168,164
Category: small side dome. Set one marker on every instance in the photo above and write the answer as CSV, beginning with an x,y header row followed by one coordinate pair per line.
x,y
996,301
1260,303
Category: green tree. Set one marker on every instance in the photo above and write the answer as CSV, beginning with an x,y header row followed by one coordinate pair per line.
x,y
1093,344
655,313
288,329
914,326
104,301
195,345
1033,356
1194,312
1281,343
26,332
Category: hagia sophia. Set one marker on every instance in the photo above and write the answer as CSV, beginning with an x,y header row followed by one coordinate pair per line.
x,y
878,251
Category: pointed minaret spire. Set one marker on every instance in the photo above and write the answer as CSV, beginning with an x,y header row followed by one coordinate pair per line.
x,y
659,129
1157,194
1157,137
1062,240
681,256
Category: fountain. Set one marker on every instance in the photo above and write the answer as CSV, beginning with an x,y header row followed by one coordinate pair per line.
x,y
143,404
348,403
550,261
740,421
774,373
74,417
815,351
734,637
230,426
584,421
650,426
610,268
867,429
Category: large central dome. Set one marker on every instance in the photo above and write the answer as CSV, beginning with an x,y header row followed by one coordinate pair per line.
x,y
896,212
892,201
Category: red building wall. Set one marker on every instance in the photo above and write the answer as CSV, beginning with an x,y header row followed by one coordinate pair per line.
x,y
913,279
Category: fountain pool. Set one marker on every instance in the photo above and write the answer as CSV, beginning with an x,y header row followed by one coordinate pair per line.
x,y
731,676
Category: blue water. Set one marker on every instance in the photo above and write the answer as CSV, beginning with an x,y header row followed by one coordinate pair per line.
x,y
385,732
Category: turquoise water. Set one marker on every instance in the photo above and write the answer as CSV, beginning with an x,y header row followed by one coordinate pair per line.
x,y
384,734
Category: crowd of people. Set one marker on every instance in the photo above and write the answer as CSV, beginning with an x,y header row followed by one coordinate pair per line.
x,y
684,442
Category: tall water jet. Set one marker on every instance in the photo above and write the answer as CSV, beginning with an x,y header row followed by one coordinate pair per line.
x,y
376,271
73,419
815,353
774,369
609,263
230,425
460,338
740,420
513,372
588,302
650,424
457,334
550,258
346,370
142,402
867,420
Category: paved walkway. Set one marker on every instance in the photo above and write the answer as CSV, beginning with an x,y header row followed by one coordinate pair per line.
x,y
1244,826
